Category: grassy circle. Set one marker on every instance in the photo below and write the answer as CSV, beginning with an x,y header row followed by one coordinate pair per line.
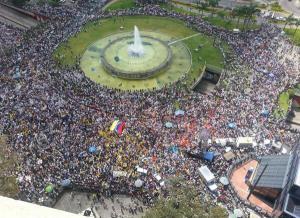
x,y
200,46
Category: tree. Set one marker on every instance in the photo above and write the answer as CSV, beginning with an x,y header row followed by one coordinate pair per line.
x,y
54,2
184,201
213,4
288,20
247,13
297,23
238,12
19,2
202,5
251,10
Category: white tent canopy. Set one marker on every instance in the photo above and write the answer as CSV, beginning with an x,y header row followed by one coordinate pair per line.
x,y
240,141
117,174
206,174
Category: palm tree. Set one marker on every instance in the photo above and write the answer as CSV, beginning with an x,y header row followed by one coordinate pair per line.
x,y
213,4
288,20
202,5
252,10
248,12
297,23
243,13
238,12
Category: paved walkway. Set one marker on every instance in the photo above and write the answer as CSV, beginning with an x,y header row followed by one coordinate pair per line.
x,y
108,4
80,201
222,3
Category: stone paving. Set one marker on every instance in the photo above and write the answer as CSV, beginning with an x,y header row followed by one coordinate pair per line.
x,y
76,202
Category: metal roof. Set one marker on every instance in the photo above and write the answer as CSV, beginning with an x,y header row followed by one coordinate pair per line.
x,y
275,175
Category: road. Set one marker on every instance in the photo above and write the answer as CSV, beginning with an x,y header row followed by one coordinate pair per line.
x,y
15,18
292,6
222,3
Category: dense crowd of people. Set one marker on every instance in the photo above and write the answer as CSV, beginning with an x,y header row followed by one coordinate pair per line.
x,y
54,115
9,36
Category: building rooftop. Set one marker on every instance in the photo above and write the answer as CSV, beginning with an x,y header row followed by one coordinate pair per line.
x,y
275,174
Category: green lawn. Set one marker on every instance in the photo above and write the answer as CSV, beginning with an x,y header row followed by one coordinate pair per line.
x,y
121,4
295,37
8,184
68,53
283,103
276,7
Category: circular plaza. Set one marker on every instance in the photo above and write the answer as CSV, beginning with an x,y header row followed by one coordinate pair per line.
x,y
171,52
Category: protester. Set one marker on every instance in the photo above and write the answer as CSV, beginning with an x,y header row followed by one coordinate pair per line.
x,y
53,115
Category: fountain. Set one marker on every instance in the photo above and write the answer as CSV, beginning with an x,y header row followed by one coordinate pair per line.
x,y
136,57
119,60
136,49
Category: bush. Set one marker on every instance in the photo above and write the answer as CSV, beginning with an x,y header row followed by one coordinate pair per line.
x,y
54,2
19,2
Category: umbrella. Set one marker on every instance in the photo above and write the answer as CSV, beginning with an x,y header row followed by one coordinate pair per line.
x,y
238,212
227,149
179,112
232,125
138,183
168,124
173,149
92,149
65,182
267,141
49,188
265,112
224,180
17,75
82,154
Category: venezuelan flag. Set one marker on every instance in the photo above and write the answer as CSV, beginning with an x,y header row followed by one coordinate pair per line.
x,y
113,125
120,127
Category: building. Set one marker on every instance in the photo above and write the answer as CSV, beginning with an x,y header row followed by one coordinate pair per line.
x,y
11,208
276,180
270,176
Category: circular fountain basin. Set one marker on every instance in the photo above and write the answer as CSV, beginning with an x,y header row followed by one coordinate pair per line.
x,y
117,59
